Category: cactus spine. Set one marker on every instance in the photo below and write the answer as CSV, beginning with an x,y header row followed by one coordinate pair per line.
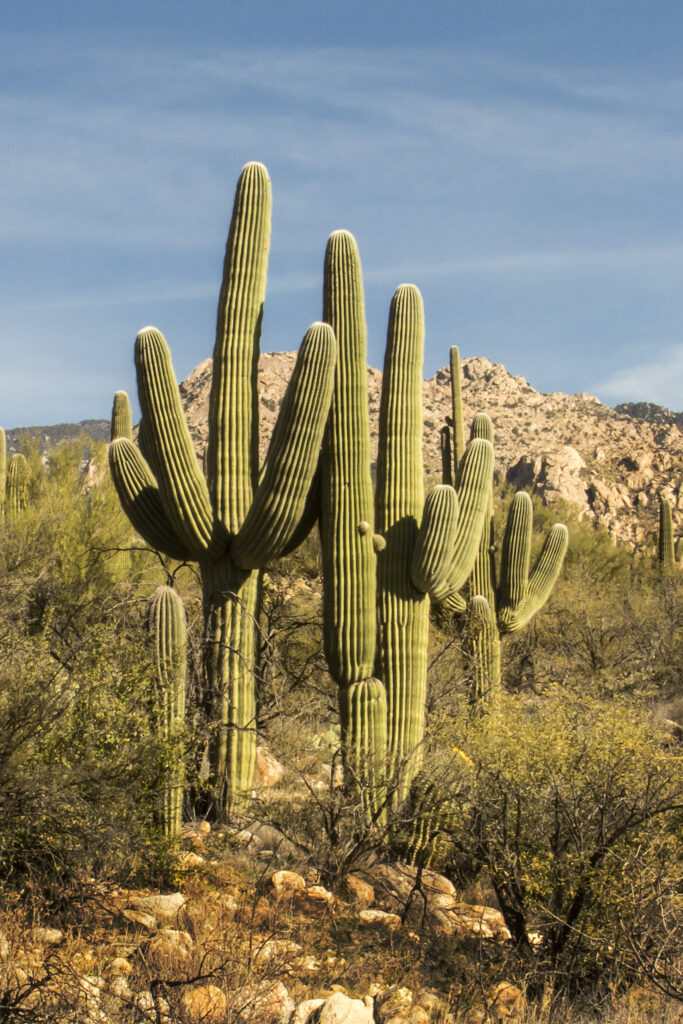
x,y
666,555
167,625
508,607
233,522
16,486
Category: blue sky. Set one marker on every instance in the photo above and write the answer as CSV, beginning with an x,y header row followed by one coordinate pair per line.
x,y
520,162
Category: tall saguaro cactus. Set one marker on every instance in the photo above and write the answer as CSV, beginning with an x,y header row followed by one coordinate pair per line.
x,y
236,520
666,553
507,607
376,608
167,625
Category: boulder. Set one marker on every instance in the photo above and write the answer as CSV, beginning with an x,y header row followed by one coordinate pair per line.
x,y
341,1009
206,1004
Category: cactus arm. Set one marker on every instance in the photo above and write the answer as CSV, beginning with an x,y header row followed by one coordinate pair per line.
x,y
483,644
169,447
167,622
140,499
232,452
541,581
309,516
665,547
482,427
364,707
292,459
435,541
446,456
456,408
403,610
346,521
121,418
516,555
474,484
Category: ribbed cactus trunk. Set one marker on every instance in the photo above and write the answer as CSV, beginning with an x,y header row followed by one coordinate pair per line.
x,y
167,625
16,487
347,531
666,554
234,521
403,610
3,470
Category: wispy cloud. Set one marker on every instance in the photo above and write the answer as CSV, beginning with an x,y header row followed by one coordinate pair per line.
x,y
657,380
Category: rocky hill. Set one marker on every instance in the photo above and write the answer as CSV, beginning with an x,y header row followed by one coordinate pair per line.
x,y
611,464
44,437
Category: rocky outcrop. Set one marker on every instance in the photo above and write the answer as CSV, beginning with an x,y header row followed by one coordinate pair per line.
x,y
612,465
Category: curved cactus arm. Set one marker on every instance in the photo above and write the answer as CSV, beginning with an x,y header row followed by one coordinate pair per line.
x,y
16,485
474,485
3,470
232,458
514,577
541,581
346,520
169,446
167,623
140,499
456,408
432,555
665,547
121,418
292,459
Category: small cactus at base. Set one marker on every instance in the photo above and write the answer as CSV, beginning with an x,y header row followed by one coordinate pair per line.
x,y
16,492
666,551
167,626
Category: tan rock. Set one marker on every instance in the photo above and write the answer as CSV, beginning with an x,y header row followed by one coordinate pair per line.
x,y
268,1002
359,892
341,1009
170,944
286,883
120,965
163,907
48,936
139,918
305,1010
379,919
505,1000
268,770
205,1004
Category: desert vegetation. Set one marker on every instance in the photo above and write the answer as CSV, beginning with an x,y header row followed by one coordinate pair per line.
x,y
279,745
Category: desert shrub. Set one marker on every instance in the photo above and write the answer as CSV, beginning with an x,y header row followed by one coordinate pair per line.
x,y
570,807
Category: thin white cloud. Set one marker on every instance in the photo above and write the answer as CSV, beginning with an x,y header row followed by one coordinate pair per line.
x,y
659,380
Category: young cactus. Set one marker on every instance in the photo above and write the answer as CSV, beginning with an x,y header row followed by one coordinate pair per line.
x,y
508,607
666,552
16,486
167,626
236,520
376,608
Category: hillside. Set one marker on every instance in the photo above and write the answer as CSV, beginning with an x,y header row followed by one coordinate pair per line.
x,y
46,436
612,464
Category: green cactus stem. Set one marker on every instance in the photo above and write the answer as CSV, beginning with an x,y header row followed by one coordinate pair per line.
x,y
235,520
3,470
167,626
16,488
121,418
666,555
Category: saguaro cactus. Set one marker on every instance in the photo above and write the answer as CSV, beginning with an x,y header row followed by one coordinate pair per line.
x,y
376,613
3,470
235,521
507,607
167,626
16,486
666,554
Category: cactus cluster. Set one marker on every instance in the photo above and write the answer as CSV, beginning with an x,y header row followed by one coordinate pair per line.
x,y
505,607
167,627
379,557
236,519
